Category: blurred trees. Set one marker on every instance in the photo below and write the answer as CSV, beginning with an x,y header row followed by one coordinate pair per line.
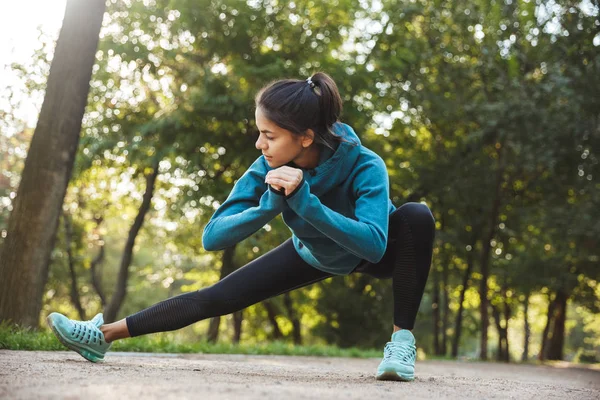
x,y
31,230
487,111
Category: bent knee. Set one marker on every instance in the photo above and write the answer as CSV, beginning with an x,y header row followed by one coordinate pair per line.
x,y
416,213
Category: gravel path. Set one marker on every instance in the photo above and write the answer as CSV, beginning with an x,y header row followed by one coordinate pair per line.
x,y
137,376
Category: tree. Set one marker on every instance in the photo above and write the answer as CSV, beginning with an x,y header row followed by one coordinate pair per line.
x,y
25,254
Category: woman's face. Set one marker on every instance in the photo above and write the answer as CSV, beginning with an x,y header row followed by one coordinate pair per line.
x,y
278,145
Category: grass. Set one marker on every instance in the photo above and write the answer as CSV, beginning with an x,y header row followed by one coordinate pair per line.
x,y
16,338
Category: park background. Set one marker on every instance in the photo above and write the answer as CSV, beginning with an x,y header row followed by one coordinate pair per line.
x,y
487,111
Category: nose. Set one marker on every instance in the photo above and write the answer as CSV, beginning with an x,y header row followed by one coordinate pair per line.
x,y
259,143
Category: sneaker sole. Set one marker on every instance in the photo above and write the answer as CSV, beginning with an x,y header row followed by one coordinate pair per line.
x,y
394,376
88,355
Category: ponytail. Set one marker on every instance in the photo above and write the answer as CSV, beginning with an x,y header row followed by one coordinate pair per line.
x,y
299,105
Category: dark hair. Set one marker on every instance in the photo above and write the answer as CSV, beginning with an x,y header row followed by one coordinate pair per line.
x,y
298,105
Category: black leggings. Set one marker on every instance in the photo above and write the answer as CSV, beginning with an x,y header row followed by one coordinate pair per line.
x,y
406,260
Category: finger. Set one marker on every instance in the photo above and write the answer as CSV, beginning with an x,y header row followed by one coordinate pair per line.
x,y
282,178
286,169
291,171
293,179
284,185
278,181
273,184
291,174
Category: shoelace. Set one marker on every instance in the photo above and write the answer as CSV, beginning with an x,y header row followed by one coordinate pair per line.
x,y
400,351
86,331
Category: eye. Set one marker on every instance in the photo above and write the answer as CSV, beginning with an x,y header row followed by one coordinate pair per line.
x,y
270,138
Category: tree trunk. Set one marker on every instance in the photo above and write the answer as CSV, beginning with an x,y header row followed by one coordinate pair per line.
x,y
95,273
485,256
507,314
542,354
446,308
459,316
435,305
227,267
525,355
212,335
272,315
291,312
74,292
496,315
557,340
96,281
238,318
110,312
502,354
31,231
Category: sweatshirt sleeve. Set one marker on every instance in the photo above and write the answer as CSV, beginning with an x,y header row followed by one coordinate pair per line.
x,y
250,205
366,236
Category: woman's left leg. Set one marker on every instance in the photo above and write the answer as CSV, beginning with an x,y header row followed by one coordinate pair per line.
x,y
407,261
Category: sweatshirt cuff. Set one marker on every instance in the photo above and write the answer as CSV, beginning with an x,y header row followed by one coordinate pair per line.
x,y
295,199
272,200
282,191
277,192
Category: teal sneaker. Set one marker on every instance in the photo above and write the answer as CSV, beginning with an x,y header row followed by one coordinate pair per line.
x,y
399,357
84,337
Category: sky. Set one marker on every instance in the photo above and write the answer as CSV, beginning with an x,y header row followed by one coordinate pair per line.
x,y
19,37
19,32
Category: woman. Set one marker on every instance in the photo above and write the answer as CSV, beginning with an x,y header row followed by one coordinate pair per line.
x,y
334,196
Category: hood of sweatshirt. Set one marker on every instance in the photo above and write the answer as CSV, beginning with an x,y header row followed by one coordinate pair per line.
x,y
334,165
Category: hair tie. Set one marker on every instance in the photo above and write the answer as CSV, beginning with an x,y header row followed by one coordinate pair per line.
x,y
310,83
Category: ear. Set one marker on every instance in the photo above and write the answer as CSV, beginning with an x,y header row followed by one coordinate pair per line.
x,y
308,138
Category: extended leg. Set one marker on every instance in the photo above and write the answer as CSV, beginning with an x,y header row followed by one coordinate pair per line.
x,y
278,271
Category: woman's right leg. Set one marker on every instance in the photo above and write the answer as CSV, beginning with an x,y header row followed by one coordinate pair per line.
x,y
276,272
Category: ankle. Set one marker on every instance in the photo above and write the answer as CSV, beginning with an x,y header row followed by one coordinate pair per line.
x,y
116,330
106,331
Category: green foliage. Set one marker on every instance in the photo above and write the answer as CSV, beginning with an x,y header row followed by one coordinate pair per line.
x,y
17,338
14,338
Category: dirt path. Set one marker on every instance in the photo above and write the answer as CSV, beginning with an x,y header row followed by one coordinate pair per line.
x,y
137,376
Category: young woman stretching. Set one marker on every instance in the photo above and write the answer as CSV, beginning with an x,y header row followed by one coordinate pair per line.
x,y
334,196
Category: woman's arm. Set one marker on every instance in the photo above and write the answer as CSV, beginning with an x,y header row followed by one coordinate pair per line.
x,y
248,208
366,237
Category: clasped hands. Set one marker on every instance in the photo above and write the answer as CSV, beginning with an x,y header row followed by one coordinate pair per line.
x,y
284,177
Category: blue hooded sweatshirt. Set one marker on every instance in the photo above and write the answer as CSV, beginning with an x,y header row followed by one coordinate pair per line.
x,y
338,214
